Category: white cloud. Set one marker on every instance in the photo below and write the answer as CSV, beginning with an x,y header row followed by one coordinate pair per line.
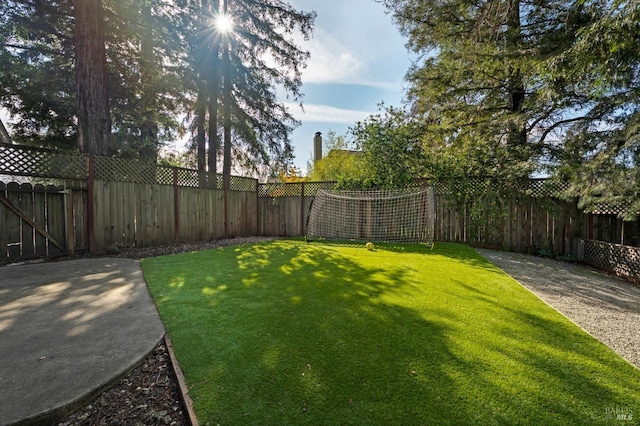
x,y
327,114
331,61
354,42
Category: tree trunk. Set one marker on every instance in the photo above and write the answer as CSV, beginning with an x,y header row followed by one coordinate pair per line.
x,y
94,119
518,133
212,156
201,112
214,85
226,161
148,73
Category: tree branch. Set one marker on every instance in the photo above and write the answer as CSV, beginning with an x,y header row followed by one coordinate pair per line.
x,y
558,124
32,48
4,135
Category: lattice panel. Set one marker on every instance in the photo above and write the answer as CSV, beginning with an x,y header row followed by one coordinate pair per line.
x,y
293,189
461,186
243,184
280,189
121,170
198,179
543,188
623,260
611,208
535,188
27,161
164,175
311,189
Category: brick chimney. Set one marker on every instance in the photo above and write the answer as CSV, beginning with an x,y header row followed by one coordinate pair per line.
x,y
317,147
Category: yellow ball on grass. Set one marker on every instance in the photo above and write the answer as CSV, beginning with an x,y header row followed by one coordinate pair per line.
x,y
369,246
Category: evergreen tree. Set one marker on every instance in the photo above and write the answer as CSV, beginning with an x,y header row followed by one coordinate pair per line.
x,y
146,53
479,87
37,71
509,87
132,59
601,153
142,85
261,57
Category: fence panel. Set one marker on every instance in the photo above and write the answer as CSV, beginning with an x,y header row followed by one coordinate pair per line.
x,y
617,258
13,227
55,223
77,213
243,211
130,214
281,216
201,214
32,221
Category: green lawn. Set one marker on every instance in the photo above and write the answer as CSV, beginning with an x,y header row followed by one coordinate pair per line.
x,y
288,332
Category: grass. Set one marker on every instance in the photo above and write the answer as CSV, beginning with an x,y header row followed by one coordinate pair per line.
x,y
288,332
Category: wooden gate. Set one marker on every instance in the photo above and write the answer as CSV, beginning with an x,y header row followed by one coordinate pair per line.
x,y
32,221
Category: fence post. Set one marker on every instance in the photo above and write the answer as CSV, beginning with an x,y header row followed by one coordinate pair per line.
x,y
302,210
69,225
176,206
258,221
90,203
226,186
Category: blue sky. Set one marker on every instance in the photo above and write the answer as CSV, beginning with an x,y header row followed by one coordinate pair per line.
x,y
358,60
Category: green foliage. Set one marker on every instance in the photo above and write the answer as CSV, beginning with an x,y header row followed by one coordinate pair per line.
x,y
570,257
601,153
288,332
36,71
393,152
38,76
339,163
475,89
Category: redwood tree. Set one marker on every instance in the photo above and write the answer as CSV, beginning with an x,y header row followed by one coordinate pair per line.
x,y
94,119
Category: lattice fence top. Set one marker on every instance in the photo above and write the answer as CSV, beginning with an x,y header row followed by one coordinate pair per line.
x,y
18,160
541,188
535,188
192,178
293,189
121,170
243,184
612,209
38,162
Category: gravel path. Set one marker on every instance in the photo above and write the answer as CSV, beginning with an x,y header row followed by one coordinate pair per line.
x,y
606,307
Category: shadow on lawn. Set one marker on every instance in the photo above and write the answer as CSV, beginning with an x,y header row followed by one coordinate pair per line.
x,y
297,333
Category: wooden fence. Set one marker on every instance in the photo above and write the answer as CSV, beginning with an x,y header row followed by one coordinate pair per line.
x,y
32,220
531,221
284,207
87,203
97,203
129,214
